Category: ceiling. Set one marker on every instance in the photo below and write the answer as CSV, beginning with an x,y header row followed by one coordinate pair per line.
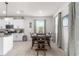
x,y
30,8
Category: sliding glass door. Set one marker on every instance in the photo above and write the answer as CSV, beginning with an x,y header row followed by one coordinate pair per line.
x,y
65,33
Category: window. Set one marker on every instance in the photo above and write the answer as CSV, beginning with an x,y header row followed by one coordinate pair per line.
x,y
65,21
65,33
39,26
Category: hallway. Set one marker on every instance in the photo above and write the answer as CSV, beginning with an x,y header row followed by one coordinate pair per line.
x,y
24,49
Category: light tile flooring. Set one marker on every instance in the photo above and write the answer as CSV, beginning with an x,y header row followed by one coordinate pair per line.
x,y
24,49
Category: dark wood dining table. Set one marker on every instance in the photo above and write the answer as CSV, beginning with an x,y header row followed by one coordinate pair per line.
x,y
41,41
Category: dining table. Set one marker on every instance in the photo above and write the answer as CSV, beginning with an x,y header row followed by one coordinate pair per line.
x,y
41,40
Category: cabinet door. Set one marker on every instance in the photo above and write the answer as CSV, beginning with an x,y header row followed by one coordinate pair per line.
x,y
2,24
9,21
18,23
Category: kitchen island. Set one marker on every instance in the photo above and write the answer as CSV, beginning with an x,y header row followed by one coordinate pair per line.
x,y
6,44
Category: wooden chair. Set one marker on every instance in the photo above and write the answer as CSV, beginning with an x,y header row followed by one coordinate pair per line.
x,y
34,40
41,45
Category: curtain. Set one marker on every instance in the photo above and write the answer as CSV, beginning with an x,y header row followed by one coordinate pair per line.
x,y
71,42
59,35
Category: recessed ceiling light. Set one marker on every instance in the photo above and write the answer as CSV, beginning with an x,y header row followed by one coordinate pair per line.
x,y
40,11
4,12
18,12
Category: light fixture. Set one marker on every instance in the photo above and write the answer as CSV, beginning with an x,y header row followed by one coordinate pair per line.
x,y
6,17
18,12
6,8
6,3
40,11
4,12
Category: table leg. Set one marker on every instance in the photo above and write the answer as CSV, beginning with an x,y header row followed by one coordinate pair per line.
x,y
44,53
37,53
49,43
32,44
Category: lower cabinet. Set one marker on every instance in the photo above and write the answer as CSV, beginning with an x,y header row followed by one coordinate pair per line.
x,y
17,36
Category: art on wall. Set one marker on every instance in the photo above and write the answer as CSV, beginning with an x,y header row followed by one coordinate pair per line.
x,y
30,25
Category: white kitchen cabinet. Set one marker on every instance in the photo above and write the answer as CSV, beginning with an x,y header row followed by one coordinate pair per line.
x,y
18,23
9,21
6,44
2,24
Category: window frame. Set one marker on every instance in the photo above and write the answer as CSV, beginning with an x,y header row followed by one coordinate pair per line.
x,y
63,21
44,25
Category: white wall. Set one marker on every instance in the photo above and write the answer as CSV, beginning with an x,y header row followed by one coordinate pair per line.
x,y
49,24
63,9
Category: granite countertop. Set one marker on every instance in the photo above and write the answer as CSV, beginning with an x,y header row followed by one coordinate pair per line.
x,y
3,35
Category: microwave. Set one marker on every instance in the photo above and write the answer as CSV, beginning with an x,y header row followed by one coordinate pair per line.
x,y
9,26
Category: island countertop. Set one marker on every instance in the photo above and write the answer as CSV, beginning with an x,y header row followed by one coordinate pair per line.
x,y
6,44
3,35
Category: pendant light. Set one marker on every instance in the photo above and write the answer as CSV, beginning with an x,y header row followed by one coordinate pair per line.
x,y
6,3
6,7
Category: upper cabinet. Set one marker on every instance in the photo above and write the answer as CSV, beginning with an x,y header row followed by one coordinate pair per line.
x,y
18,23
2,24
9,21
